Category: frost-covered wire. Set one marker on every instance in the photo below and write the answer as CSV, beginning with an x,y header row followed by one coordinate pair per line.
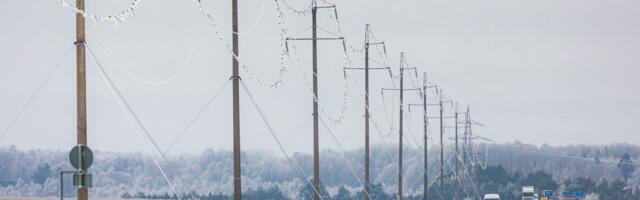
x,y
341,116
246,69
120,17
126,104
299,130
302,12
250,30
344,154
133,120
197,116
170,79
274,135
35,93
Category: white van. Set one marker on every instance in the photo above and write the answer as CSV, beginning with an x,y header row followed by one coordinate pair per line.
x,y
491,197
529,193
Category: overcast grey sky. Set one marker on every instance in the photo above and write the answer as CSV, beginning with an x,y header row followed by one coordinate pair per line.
x,y
543,71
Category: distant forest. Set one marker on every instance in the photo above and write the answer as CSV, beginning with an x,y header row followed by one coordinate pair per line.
x,y
606,172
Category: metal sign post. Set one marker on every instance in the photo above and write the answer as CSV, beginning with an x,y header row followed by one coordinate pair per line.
x,y
62,182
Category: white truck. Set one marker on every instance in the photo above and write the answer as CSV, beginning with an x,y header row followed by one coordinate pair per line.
x,y
528,193
491,197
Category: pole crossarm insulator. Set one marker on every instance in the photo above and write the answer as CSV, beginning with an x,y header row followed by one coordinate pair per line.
x,y
79,42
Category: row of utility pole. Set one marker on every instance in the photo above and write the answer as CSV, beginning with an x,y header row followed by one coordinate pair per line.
x,y
82,192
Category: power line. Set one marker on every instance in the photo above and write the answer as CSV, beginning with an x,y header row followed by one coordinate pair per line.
x,y
353,172
274,135
126,104
35,93
133,120
170,79
120,17
196,117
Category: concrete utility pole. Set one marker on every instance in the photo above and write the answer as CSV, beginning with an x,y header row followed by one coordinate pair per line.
x,y
367,44
81,89
237,179
316,149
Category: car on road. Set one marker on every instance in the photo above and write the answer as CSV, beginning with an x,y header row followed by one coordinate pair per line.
x,y
491,197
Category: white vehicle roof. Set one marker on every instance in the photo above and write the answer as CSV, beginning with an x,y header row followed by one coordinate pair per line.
x,y
528,189
491,196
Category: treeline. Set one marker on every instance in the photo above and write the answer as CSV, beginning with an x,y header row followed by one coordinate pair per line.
x,y
34,172
491,179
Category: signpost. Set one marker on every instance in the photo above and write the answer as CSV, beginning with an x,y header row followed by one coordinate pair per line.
x,y
81,158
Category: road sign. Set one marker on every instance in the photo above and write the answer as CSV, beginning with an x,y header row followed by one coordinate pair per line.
x,y
81,157
547,193
82,180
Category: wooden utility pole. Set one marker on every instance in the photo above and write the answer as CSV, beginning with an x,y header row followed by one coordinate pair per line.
x,y
400,135
425,186
424,104
316,148
366,112
466,137
456,183
400,128
237,180
367,44
81,89
316,145
441,149
425,86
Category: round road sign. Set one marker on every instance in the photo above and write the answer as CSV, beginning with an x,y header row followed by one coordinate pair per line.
x,y
81,157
